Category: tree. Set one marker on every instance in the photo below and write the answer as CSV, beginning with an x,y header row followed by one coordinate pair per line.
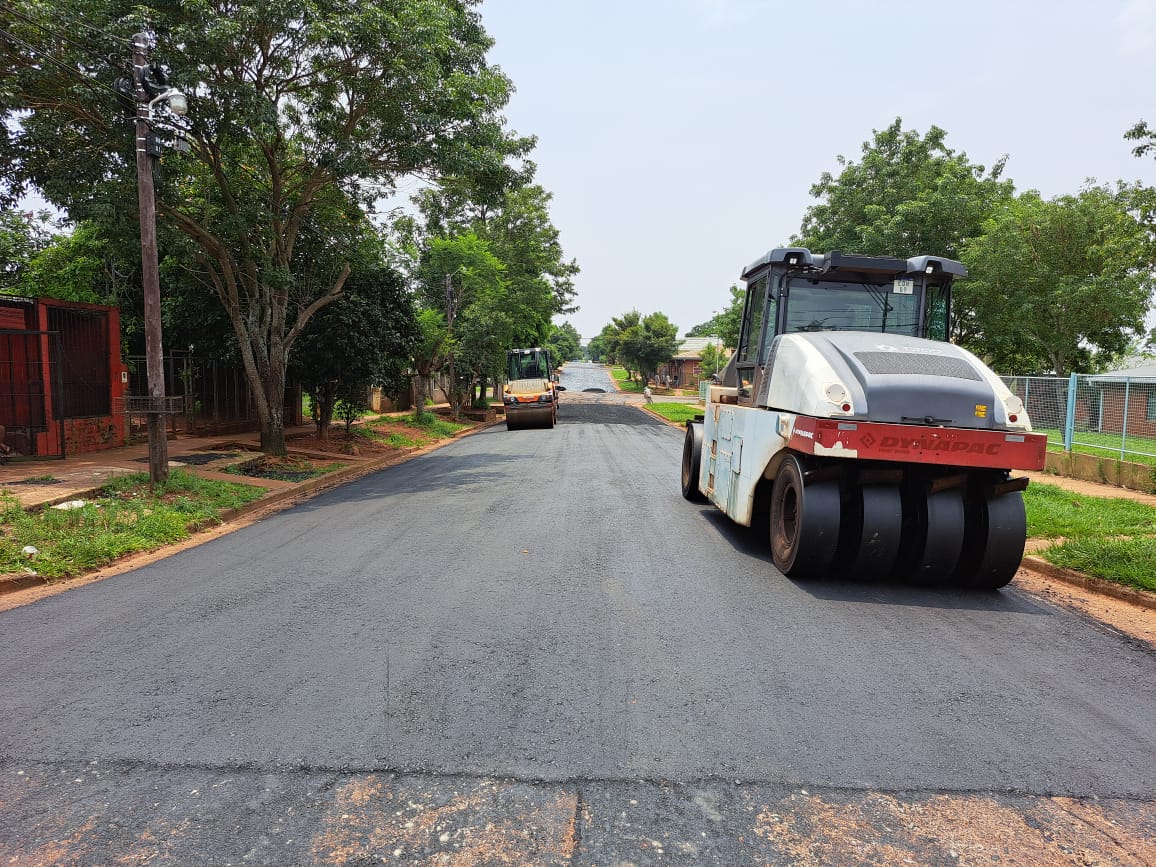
x,y
301,115
596,349
1056,286
726,324
645,345
516,227
712,360
612,336
565,343
459,274
909,195
363,339
1142,133
22,237
429,352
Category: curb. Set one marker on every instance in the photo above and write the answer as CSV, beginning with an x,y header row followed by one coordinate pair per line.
x,y
1095,585
282,497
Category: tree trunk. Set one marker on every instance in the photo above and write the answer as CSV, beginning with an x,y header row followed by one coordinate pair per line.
x,y
421,388
273,427
323,404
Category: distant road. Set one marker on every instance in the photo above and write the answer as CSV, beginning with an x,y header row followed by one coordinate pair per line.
x,y
584,376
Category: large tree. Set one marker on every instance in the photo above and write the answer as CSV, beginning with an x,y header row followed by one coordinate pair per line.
x,y
1056,286
462,279
301,115
908,195
516,226
565,343
641,343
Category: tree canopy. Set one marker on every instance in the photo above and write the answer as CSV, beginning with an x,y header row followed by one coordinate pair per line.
x,y
301,115
640,343
908,195
1056,286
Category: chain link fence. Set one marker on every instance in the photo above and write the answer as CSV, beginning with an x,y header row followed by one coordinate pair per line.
x,y
1105,414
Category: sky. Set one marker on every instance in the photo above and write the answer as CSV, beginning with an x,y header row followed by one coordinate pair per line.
x,y
680,138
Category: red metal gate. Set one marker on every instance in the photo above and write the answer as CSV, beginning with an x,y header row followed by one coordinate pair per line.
x,y
30,385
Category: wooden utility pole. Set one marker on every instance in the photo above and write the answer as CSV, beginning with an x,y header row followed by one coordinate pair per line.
x,y
150,277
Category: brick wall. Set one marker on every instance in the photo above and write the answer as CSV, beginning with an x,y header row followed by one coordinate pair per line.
x,y
92,434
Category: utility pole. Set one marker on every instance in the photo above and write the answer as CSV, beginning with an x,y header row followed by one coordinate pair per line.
x,y
451,310
150,277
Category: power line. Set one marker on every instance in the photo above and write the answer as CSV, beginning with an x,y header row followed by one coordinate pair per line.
x,y
57,62
64,37
76,22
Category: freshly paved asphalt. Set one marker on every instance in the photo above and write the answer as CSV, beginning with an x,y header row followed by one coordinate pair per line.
x,y
539,608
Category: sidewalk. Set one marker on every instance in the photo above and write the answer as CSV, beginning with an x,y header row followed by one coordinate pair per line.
x,y
47,481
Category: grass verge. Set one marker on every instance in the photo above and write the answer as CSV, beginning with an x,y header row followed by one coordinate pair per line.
x,y
624,382
125,517
1103,537
679,413
1129,561
1058,513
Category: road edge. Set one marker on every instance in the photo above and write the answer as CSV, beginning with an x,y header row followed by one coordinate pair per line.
x,y
231,520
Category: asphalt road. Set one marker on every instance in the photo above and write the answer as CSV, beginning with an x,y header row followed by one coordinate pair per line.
x,y
531,640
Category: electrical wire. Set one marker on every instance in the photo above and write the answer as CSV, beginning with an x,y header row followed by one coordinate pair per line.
x,y
68,18
66,67
44,28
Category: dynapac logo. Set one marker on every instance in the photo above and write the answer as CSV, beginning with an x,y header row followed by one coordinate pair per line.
x,y
806,434
937,445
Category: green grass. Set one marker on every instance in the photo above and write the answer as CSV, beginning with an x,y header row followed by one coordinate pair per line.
x,y
1109,538
622,378
433,425
679,413
124,518
1129,561
1058,513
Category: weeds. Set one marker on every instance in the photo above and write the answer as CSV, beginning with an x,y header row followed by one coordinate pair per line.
x,y
125,517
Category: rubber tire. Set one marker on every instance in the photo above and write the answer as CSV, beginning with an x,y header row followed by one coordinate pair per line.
x,y
804,524
692,464
878,532
933,541
994,539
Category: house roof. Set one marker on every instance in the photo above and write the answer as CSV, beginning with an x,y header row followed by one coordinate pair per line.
x,y
1147,370
692,347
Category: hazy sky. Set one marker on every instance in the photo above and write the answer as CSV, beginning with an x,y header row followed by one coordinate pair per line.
x,y
680,138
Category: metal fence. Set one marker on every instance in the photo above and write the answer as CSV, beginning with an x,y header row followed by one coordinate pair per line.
x,y
1104,414
215,395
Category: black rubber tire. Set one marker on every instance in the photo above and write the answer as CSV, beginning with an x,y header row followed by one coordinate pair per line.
x,y
994,537
692,463
804,524
878,530
933,536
